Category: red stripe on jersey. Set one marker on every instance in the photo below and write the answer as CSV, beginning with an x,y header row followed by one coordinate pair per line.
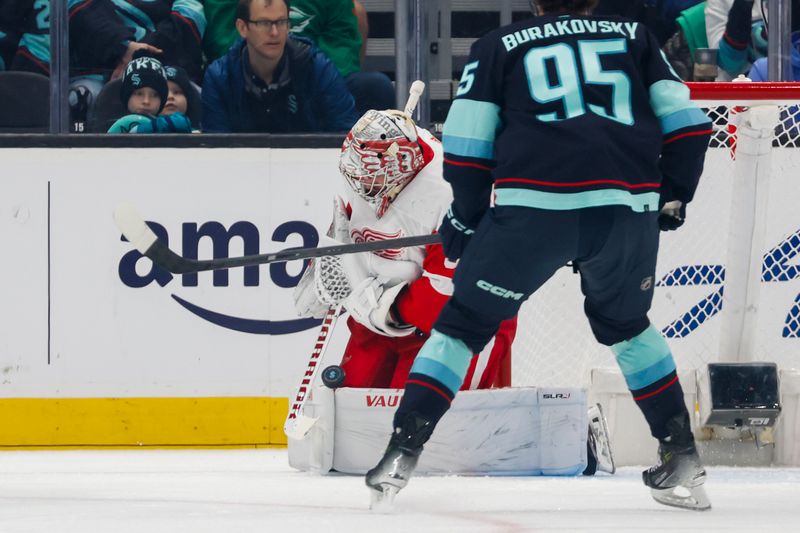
x,y
580,183
465,164
79,8
191,25
688,134
25,53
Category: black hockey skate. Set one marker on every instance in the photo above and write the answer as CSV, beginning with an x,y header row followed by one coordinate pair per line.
x,y
678,478
399,461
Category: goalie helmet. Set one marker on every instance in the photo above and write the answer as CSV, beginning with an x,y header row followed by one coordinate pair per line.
x,y
380,156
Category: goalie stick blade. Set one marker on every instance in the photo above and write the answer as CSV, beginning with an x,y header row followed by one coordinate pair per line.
x,y
298,427
134,228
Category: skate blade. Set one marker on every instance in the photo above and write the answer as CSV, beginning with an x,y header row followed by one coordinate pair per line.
x,y
382,501
692,498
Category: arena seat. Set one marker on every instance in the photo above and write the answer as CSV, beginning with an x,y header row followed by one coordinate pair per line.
x,y
24,102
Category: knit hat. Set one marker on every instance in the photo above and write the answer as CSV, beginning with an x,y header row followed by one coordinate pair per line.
x,y
179,76
141,72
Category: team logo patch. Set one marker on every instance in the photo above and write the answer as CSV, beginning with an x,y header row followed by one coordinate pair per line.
x,y
371,235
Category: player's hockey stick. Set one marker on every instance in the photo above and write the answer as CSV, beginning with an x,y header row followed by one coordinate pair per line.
x,y
143,239
297,424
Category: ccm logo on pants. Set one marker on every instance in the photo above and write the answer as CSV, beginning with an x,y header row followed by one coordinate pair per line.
x,y
498,291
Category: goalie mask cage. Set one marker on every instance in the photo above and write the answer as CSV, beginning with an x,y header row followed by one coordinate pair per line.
x,y
727,285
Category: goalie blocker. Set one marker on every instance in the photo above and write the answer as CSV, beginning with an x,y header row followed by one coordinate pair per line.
x,y
534,431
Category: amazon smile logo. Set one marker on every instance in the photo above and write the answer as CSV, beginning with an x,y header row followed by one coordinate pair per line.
x,y
221,237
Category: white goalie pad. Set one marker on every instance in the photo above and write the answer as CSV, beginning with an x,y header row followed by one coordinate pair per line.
x,y
315,451
512,431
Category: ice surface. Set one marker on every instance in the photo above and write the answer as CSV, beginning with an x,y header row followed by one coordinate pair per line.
x,y
196,491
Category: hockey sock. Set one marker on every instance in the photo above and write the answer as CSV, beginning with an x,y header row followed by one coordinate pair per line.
x,y
434,379
649,370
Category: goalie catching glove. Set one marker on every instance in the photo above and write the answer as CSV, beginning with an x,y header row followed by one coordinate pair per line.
x,y
343,279
325,282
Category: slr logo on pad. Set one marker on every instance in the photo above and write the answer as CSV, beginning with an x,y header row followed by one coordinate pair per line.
x,y
556,396
498,291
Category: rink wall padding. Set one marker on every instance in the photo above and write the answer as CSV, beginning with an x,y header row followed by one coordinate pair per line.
x,y
142,422
98,348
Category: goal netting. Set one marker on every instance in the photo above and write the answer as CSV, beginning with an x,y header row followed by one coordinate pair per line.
x,y
728,280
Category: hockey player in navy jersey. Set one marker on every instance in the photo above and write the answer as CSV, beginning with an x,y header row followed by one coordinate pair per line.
x,y
591,145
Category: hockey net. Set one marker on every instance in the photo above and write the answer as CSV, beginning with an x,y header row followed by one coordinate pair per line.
x,y
745,228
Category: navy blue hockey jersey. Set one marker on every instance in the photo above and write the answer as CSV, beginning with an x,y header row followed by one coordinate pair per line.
x,y
569,112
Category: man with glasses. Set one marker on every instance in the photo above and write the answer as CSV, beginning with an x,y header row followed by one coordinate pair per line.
x,y
272,82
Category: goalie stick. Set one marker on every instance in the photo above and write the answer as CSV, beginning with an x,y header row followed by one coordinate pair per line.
x,y
134,228
297,424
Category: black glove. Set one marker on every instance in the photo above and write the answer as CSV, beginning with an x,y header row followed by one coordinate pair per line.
x,y
672,215
455,235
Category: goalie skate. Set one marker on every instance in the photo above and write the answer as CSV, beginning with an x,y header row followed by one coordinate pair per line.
x,y
600,441
677,480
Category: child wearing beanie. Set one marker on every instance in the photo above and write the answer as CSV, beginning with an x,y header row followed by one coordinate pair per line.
x,y
144,92
180,91
144,86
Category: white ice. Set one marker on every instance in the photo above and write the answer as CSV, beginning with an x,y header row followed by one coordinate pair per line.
x,y
196,491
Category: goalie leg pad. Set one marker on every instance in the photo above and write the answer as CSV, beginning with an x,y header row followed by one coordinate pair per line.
x,y
532,432
314,453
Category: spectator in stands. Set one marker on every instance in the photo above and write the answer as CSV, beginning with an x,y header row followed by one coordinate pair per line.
x,y
25,36
105,35
736,28
144,92
681,48
181,92
658,15
221,33
272,82
340,29
760,70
